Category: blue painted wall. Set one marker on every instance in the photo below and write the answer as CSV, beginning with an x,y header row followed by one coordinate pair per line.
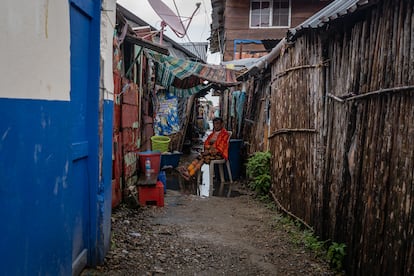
x,y
35,187
42,204
104,195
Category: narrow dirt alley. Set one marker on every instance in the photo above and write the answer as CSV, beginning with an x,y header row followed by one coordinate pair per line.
x,y
204,236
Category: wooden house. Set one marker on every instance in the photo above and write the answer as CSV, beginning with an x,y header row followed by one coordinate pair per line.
x,y
251,28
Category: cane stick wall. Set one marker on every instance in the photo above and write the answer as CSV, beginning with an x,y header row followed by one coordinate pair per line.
x,y
341,134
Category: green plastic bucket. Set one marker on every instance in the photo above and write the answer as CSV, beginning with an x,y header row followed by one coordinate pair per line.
x,y
160,143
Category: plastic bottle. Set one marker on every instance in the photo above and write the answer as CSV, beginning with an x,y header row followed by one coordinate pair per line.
x,y
148,167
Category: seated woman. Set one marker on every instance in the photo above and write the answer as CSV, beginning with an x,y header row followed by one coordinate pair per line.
x,y
216,146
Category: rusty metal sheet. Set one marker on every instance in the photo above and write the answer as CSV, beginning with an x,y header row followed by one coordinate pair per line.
x,y
129,139
130,164
116,192
129,116
130,95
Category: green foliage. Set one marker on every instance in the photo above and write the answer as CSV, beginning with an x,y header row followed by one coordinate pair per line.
x,y
113,243
313,243
336,254
258,170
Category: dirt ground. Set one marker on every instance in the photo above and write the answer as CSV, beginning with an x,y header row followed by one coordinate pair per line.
x,y
205,236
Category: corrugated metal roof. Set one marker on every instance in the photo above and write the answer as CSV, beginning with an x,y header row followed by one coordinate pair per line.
x,y
335,10
197,48
241,64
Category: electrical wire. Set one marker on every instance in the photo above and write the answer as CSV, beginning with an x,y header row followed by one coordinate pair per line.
x,y
186,33
206,19
207,22
179,16
189,19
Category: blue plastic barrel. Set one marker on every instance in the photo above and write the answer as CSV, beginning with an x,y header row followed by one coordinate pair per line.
x,y
235,147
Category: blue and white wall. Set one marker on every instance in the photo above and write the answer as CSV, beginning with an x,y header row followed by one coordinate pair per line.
x,y
55,150
108,21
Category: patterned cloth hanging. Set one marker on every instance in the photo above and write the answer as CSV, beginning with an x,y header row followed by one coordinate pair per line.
x,y
166,120
185,77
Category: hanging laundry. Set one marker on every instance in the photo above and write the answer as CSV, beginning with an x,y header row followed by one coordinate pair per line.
x,y
237,103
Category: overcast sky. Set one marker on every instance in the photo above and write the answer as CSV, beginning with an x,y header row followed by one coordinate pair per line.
x,y
199,29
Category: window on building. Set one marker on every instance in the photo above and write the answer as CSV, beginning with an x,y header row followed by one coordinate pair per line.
x,y
268,14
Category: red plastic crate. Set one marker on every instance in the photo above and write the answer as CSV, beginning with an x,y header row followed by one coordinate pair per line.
x,y
151,195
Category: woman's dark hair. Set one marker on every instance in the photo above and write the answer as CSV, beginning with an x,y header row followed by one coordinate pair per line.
x,y
218,119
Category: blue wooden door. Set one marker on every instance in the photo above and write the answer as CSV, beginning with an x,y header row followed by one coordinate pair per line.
x,y
84,101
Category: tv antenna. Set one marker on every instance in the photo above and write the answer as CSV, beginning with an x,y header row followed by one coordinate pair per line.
x,y
169,18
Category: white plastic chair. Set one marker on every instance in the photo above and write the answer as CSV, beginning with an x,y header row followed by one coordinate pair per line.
x,y
220,163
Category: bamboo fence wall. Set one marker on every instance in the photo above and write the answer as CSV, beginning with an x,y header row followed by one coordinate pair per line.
x,y
255,118
342,135
296,131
